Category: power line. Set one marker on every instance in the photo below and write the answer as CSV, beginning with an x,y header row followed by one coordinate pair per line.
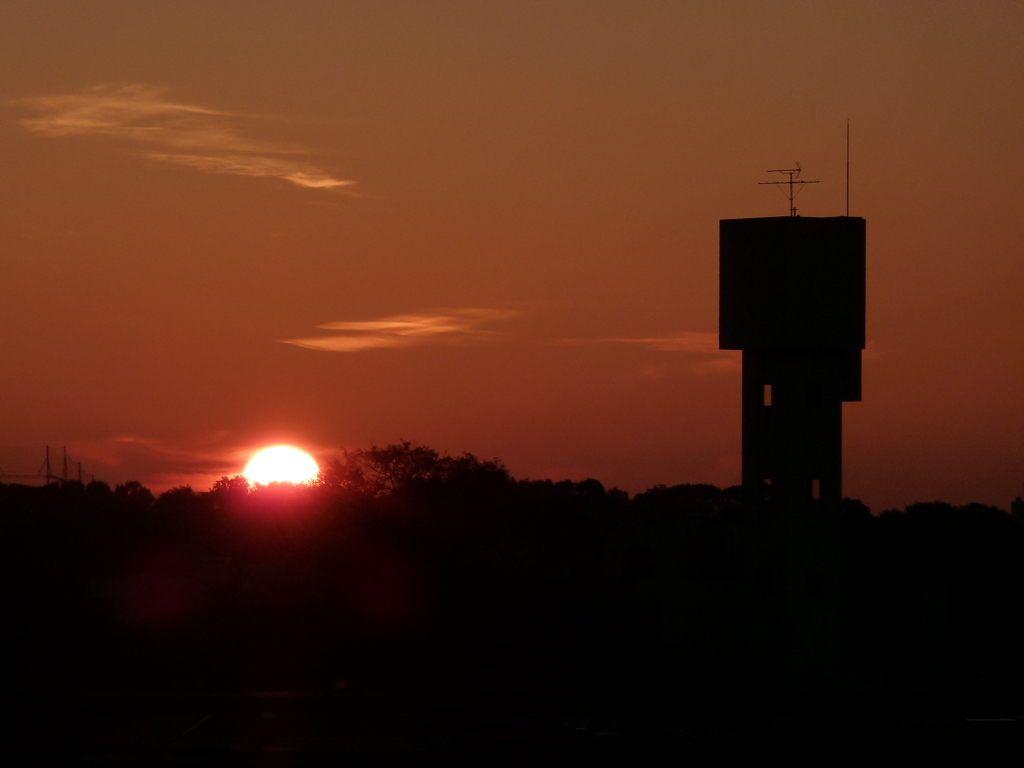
x,y
45,471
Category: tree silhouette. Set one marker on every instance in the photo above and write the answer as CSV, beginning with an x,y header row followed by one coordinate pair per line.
x,y
380,471
134,493
408,567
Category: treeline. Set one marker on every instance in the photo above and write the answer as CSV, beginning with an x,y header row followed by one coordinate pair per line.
x,y
934,593
409,570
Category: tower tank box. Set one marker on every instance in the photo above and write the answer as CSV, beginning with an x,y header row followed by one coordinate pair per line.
x,y
791,282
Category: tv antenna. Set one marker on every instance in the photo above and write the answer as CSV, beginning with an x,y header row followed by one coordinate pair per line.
x,y
794,183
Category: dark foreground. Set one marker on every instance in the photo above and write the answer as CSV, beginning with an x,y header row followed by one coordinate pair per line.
x,y
286,728
576,625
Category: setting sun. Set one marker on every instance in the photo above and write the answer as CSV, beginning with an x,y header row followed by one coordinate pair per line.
x,y
281,464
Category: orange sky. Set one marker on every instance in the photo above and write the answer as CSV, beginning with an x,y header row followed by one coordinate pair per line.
x,y
492,227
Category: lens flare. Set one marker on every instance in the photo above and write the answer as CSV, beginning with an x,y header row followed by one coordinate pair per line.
x,y
281,464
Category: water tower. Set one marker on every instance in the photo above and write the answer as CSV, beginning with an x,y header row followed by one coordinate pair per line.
x,y
792,292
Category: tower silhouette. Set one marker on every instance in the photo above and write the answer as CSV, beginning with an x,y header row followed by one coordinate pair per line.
x,y
792,298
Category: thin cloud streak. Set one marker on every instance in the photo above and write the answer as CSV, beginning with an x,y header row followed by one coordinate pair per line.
x,y
730,364
198,462
129,457
185,134
242,165
694,342
454,327
681,341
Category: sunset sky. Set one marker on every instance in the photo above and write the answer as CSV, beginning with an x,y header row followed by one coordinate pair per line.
x,y
492,227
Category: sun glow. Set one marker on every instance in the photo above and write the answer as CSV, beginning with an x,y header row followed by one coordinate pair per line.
x,y
281,464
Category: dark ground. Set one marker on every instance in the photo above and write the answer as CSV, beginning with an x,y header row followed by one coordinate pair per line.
x,y
486,621
863,723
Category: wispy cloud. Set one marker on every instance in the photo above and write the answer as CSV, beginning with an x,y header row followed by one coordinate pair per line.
x,y
202,138
694,342
165,463
247,165
208,456
161,464
681,341
729,362
448,327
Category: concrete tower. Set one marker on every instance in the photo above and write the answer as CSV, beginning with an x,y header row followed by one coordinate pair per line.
x,y
792,299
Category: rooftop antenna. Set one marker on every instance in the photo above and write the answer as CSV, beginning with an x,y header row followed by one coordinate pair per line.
x,y
793,182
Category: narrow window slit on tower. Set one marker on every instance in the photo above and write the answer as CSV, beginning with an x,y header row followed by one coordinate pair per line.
x,y
816,490
767,394
767,485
